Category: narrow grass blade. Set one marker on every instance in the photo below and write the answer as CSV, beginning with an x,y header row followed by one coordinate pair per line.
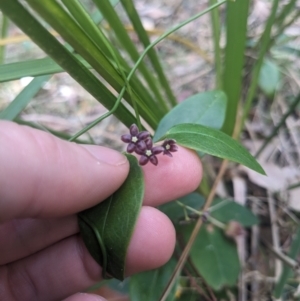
x,y
290,111
167,33
215,20
61,21
143,36
122,35
30,26
82,17
23,98
236,33
32,68
284,13
264,44
4,29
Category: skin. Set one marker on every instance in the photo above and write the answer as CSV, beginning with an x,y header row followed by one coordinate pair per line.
x,y
44,182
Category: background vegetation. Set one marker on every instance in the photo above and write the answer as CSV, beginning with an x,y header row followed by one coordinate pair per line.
x,y
79,54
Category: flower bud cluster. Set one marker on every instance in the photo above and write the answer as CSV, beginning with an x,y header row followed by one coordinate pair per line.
x,y
141,143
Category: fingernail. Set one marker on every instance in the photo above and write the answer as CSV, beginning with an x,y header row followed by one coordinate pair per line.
x,y
106,155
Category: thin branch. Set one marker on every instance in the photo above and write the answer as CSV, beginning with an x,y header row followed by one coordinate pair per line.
x,y
194,234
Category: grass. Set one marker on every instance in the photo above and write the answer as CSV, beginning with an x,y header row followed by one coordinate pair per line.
x,y
194,59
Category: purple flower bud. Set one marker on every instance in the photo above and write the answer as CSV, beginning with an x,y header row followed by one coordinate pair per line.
x,y
143,135
157,150
149,143
134,130
140,147
126,138
143,160
169,146
153,160
131,148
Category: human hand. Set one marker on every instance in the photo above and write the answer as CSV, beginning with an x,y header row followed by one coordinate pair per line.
x,y
44,182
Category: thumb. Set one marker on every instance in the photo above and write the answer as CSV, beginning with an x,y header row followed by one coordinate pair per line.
x,y
43,176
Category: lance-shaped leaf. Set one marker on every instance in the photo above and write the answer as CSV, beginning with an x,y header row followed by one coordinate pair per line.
x,y
212,142
107,227
207,108
214,256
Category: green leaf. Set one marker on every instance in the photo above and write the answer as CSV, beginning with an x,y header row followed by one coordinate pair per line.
x,y
63,57
175,212
97,36
234,57
188,295
269,77
143,36
33,68
118,27
107,227
23,98
148,286
212,142
206,109
215,256
230,210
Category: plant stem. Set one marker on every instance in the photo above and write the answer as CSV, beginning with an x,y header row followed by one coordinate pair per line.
x,y
120,32
141,59
139,28
212,220
294,250
279,125
194,234
284,258
264,41
293,186
285,12
284,26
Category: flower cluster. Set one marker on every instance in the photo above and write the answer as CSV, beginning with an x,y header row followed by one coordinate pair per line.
x,y
141,143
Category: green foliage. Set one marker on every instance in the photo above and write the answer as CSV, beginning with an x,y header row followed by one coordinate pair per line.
x,y
105,231
236,35
23,98
214,256
201,108
177,212
129,89
231,211
33,68
269,77
148,286
212,142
